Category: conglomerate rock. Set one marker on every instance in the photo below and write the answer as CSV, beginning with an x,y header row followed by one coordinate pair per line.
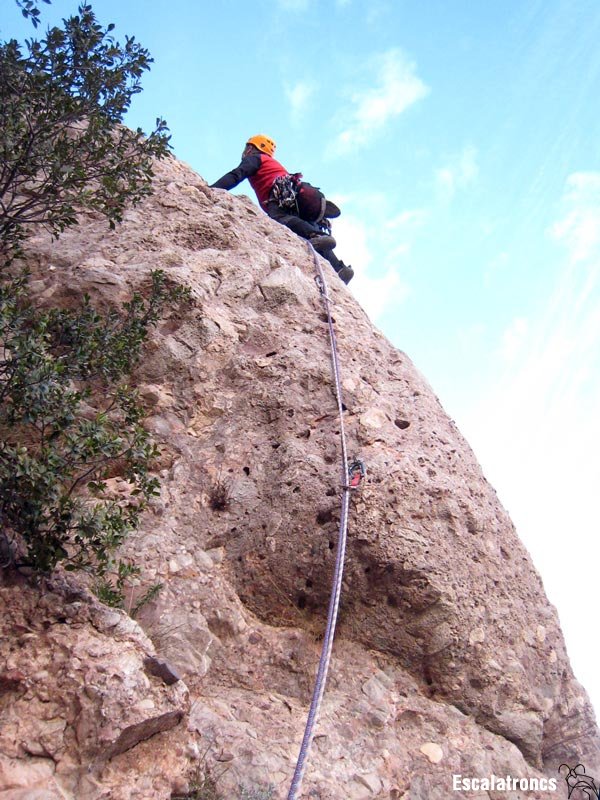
x,y
449,659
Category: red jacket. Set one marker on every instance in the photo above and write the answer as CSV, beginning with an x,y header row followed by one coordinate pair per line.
x,y
260,169
263,179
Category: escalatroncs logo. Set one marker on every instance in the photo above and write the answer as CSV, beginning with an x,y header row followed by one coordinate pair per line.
x,y
581,786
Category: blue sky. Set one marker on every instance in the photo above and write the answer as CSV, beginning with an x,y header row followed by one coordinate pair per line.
x,y
462,141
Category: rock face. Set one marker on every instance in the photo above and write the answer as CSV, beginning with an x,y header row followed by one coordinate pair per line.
x,y
449,659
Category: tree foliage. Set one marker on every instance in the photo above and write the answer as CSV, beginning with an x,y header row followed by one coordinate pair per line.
x,y
69,419
68,422
30,9
62,144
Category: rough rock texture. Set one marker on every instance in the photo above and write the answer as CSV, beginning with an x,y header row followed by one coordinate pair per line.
x,y
74,689
449,658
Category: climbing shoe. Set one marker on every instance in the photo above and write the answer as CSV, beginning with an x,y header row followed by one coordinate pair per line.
x,y
331,210
346,273
321,242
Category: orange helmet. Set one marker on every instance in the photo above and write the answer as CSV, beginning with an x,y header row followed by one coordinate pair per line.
x,y
263,143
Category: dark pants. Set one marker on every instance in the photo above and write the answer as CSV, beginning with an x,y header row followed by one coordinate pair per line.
x,y
302,228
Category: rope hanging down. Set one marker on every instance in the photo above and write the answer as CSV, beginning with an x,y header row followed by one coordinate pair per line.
x,y
348,483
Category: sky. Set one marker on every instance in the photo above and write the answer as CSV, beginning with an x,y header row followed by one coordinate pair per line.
x,y
462,141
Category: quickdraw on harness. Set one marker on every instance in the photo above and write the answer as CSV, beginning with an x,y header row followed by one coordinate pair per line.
x,y
353,473
285,190
302,198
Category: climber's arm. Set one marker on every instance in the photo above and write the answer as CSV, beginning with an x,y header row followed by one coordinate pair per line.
x,y
247,167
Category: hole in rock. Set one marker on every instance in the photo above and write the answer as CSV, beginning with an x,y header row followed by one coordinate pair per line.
x,y
324,516
247,470
402,423
309,583
301,602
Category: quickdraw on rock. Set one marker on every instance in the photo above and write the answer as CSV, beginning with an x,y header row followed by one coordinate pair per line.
x,y
356,472
320,285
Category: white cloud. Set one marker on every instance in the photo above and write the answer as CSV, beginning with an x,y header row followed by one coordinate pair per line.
x,y
514,339
580,228
376,239
376,289
495,267
459,173
298,97
536,429
470,339
413,218
396,87
377,11
351,236
377,294
548,376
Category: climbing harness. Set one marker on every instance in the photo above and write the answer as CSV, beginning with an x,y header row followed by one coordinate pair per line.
x,y
299,197
285,190
352,474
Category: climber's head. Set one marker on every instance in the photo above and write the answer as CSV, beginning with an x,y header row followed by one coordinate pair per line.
x,y
262,143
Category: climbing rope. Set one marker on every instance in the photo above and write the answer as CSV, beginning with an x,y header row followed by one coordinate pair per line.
x,y
348,484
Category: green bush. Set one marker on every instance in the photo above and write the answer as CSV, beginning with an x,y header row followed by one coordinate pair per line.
x,y
257,793
203,786
68,421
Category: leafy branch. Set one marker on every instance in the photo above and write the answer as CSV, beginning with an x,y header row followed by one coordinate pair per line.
x,y
62,144
69,421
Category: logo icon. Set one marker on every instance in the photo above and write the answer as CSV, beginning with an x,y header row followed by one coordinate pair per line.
x,y
581,786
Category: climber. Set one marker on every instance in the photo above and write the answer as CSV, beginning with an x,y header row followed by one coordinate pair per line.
x,y
279,194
